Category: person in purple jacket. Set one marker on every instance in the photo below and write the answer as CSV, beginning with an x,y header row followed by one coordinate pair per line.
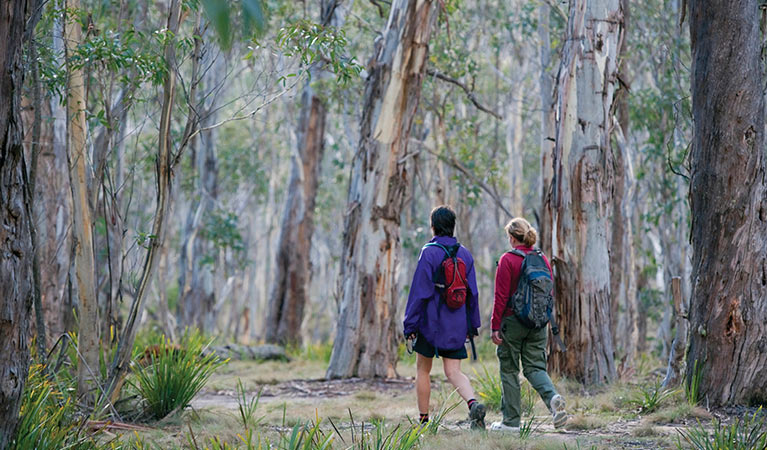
x,y
437,330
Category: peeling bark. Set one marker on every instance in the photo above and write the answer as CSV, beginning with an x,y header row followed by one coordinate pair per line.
x,y
728,190
366,337
583,183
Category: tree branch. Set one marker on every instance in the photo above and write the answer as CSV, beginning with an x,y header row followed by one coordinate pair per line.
x,y
450,160
556,8
469,92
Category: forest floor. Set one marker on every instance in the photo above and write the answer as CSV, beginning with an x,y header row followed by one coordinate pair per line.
x,y
294,392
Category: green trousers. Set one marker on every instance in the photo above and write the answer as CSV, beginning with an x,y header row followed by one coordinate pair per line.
x,y
520,342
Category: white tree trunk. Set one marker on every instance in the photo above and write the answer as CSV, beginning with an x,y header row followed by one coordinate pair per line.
x,y
366,337
583,177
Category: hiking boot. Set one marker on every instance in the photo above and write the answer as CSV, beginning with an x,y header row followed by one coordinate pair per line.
x,y
558,412
500,426
477,416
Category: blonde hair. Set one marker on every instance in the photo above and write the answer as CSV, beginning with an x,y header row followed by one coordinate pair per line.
x,y
521,230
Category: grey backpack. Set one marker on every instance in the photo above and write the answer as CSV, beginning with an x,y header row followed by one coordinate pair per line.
x,y
533,300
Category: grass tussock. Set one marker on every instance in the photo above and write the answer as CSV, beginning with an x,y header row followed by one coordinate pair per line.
x,y
488,386
645,430
679,413
585,422
174,374
743,433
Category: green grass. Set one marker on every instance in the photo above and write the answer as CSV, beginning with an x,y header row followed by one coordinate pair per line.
x,y
678,413
44,414
692,389
247,407
175,374
49,419
488,387
744,433
649,398
311,352
448,404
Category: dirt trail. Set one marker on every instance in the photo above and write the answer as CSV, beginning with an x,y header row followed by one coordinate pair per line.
x,y
618,434
315,388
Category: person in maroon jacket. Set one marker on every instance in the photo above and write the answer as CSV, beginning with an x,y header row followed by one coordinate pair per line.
x,y
515,341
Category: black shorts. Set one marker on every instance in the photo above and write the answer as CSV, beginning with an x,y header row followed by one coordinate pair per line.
x,y
423,347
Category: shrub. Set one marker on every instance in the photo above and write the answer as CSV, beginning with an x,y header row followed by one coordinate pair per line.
x,y
173,374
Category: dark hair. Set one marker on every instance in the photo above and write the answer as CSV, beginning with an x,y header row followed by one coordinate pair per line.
x,y
443,220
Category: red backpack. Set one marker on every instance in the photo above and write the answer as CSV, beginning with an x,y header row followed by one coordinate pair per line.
x,y
450,278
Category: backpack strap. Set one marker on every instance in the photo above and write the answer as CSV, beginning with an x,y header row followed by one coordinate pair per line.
x,y
437,244
555,333
454,248
517,252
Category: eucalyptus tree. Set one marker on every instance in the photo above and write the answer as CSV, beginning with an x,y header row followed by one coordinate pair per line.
x,y
293,268
17,20
82,222
728,196
583,179
366,335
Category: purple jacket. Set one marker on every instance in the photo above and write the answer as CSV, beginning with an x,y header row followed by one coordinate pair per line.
x,y
443,327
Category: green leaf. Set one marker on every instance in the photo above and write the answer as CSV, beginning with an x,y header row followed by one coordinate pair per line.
x,y
219,15
254,17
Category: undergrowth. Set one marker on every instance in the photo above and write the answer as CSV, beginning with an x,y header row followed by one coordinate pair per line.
x,y
744,433
174,374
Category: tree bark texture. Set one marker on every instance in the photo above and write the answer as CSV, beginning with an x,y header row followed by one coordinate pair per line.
x,y
366,337
582,187
622,257
293,268
728,196
16,252
82,223
676,358
623,284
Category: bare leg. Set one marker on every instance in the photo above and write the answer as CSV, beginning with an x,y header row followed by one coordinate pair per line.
x,y
423,382
457,378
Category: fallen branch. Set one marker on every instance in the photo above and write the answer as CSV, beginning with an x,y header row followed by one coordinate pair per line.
x,y
469,92
105,425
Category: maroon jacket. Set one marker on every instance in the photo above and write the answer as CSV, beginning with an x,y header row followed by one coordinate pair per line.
x,y
506,279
